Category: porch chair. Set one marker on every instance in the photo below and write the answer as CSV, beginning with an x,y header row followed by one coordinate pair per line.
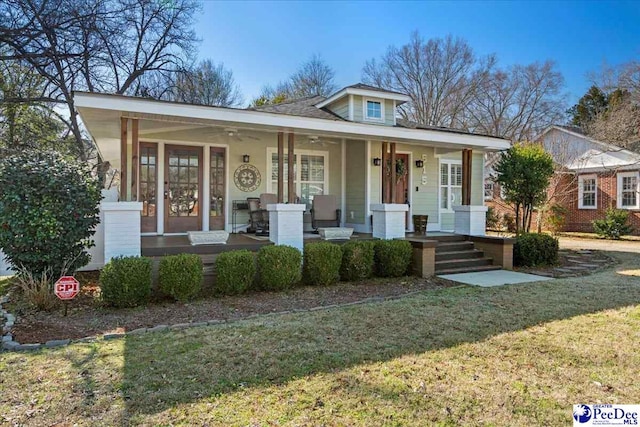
x,y
324,212
258,214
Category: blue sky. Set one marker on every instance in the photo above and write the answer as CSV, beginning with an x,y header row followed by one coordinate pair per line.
x,y
264,42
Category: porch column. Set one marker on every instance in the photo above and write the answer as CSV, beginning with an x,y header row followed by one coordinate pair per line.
x,y
388,220
121,221
135,160
280,167
291,196
123,158
392,175
466,177
385,183
286,224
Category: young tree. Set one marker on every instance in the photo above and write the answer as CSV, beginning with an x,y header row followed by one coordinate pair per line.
x,y
524,172
592,103
95,46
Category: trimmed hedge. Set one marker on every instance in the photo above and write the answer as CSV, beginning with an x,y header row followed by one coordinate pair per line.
x,y
126,281
279,267
392,257
533,249
180,276
235,271
322,262
357,260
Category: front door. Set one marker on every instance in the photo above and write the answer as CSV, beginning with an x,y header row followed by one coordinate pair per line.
x,y
217,190
402,183
183,188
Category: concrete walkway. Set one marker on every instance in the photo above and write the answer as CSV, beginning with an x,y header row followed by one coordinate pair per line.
x,y
488,279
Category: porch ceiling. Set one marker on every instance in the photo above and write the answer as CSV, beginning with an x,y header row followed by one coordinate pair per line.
x,y
101,115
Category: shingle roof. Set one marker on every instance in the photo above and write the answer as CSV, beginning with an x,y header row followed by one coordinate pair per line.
x,y
369,87
574,129
413,125
304,107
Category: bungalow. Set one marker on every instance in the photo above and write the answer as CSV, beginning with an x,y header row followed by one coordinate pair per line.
x,y
181,168
591,177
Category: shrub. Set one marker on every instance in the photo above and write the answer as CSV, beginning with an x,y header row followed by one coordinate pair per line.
x,y
557,218
126,281
392,257
235,271
48,211
37,290
322,262
357,260
509,223
492,219
180,276
279,267
533,249
614,225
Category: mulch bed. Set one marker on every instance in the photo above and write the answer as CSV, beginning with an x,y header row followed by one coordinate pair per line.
x,y
86,317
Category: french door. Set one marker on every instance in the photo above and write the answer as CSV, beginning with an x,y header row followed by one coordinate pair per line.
x,y
183,189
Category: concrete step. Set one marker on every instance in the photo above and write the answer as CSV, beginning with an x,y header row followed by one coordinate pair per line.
x,y
469,269
467,254
462,263
455,246
447,238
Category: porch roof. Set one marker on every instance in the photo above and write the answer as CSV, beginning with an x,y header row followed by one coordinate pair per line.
x,y
101,114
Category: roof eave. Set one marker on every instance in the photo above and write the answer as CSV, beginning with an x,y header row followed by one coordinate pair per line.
x,y
399,98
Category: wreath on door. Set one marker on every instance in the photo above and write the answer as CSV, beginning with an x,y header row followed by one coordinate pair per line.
x,y
401,169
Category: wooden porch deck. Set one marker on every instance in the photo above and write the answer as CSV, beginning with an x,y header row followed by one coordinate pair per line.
x,y
155,246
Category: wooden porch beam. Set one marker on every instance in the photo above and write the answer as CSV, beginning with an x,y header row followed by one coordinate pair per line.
x,y
291,192
392,177
466,176
123,158
280,167
385,177
135,159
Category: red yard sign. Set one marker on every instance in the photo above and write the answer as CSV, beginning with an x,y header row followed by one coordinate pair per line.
x,y
67,287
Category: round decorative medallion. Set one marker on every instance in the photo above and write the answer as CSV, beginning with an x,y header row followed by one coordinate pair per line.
x,y
247,177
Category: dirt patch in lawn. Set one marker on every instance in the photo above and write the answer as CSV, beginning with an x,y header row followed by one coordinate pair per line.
x,y
86,317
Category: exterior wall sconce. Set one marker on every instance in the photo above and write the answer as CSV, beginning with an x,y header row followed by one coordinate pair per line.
x,y
245,158
419,163
377,161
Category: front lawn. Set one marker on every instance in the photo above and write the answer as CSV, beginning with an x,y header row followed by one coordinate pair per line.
x,y
514,355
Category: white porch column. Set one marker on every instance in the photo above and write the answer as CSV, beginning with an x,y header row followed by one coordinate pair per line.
x,y
388,220
286,224
121,229
470,220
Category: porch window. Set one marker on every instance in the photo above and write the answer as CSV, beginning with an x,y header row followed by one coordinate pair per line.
x,y
148,174
587,192
628,190
373,110
310,175
450,185
488,190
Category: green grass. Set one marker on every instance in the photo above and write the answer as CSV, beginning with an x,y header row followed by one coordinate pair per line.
x,y
514,355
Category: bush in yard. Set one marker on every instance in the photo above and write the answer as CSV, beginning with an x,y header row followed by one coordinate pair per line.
x,y
357,260
392,257
180,276
279,267
535,249
614,225
48,212
493,219
322,262
557,218
126,281
235,271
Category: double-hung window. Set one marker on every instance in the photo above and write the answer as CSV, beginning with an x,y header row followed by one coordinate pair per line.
x,y
488,190
309,170
373,110
450,185
628,190
587,192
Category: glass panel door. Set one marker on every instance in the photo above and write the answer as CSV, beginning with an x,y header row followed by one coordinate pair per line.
x,y
217,189
183,189
148,186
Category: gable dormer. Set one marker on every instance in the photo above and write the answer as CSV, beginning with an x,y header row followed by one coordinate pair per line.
x,y
365,104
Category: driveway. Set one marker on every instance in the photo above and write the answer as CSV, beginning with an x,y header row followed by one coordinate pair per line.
x,y
601,245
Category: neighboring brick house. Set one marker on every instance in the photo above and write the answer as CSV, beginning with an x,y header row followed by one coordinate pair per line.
x,y
592,176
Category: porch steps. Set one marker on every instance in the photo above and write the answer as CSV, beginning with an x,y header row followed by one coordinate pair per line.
x,y
455,254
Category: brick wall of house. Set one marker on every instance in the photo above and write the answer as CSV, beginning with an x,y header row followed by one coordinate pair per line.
x,y
576,219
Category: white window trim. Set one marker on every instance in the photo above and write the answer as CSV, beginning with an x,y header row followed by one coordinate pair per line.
x,y
484,190
619,182
581,179
365,110
298,185
449,163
